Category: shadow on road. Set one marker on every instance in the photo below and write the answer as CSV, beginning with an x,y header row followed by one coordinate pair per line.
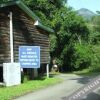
x,y
92,96
82,80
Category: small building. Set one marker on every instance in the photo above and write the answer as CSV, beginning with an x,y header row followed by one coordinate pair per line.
x,y
27,31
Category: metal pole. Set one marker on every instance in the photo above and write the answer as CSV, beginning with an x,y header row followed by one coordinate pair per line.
x,y
11,38
47,68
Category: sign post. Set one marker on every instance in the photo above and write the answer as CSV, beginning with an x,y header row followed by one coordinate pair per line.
x,y
35,72
29,57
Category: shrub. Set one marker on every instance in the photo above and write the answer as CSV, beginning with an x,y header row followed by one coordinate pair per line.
x,y
75,57
83,55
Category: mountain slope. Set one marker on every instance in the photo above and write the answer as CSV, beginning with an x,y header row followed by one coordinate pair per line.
x,y
87,14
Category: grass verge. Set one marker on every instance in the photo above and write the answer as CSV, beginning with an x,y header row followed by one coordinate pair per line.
x,y
8,93
87,72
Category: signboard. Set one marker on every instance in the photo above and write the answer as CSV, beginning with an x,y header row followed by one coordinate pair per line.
x,y
29,56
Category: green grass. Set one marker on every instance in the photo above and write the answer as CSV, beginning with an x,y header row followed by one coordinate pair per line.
x,y
87,72
8,93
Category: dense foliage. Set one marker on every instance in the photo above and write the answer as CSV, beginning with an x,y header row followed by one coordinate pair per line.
x,y
74,44
70,42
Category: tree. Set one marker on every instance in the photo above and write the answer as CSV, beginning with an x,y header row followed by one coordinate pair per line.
x,y
94,26
96,23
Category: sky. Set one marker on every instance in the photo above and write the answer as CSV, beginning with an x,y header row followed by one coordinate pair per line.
x,y
93,5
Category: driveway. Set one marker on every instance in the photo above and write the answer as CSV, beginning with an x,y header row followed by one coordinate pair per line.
x,y
70,84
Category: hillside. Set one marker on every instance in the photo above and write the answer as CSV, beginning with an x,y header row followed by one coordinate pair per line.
x,y
86,13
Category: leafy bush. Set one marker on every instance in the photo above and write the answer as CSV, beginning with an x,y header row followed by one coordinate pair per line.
x,y
76,57
95,63
83,55
80,56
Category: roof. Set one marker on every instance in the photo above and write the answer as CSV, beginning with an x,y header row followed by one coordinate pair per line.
x,y
29,12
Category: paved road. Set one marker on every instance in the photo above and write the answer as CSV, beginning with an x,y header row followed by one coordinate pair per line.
x,y
70,84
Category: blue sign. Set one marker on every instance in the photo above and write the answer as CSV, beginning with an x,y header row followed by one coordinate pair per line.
x,y
29,56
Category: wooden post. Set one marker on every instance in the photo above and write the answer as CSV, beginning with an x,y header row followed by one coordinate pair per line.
x,y
35,72
11,38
